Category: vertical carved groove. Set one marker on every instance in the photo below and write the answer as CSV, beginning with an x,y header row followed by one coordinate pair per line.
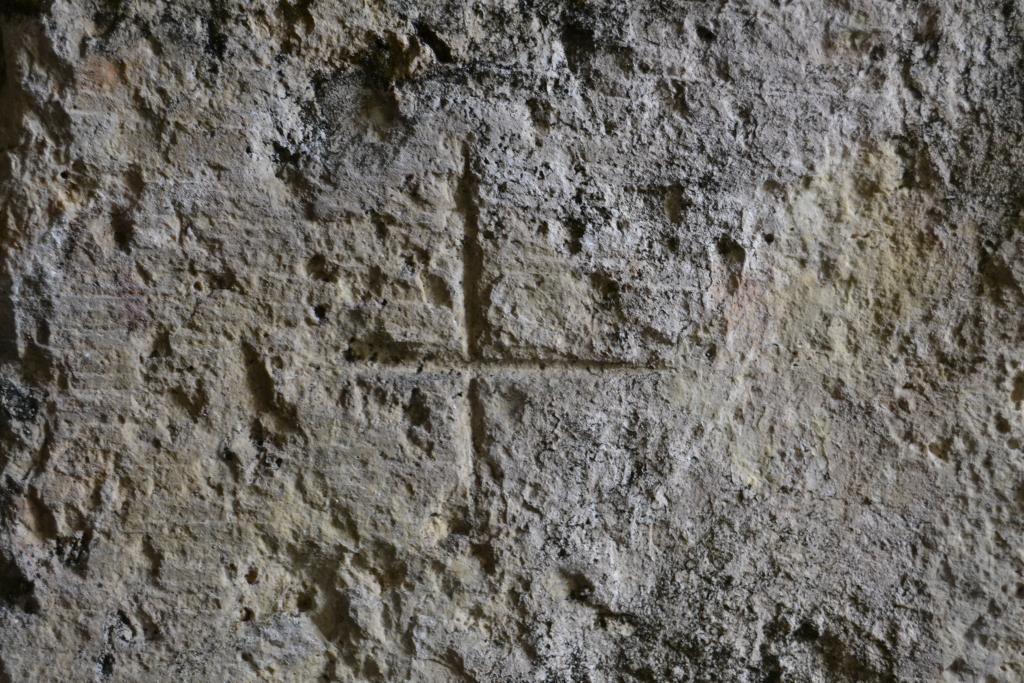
x,y
467,203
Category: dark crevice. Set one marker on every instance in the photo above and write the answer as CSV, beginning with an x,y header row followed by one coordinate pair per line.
x,y
105,666
577,230
123,228
25,8
297,12
216,39
440,48
8,320
73,550
16,590
579,43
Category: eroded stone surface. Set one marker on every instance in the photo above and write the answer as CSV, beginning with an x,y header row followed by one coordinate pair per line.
x,y
511,341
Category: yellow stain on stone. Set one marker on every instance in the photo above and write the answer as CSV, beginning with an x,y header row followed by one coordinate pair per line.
x,y
863,266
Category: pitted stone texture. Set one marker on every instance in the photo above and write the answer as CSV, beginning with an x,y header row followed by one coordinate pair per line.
x,y
511,341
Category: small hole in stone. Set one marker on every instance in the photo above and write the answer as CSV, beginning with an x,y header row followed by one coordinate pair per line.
x,y
107,665
320,268
305,602
253,575
807,631
706,34
246,614
1002,424
769,238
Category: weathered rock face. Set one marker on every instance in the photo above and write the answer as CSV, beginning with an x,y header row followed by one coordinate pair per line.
x,y
511,340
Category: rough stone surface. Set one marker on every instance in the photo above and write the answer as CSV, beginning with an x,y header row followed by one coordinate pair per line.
x,y
511,340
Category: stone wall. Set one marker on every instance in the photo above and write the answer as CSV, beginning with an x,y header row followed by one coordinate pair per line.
x,y
511,340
